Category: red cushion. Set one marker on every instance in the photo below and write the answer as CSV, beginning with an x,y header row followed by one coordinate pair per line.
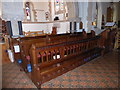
x,y
28,57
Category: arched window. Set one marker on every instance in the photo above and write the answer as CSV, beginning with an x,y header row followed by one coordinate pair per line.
x,y
29,12
27,9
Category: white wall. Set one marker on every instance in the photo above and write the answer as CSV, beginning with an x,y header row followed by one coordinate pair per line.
x,y
104,7
47,27
0,8
41,8
13,11
64,27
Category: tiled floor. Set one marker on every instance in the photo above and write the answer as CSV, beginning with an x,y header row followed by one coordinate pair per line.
x,y
98,73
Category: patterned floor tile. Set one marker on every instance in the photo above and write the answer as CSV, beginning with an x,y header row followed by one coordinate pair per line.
x,y
98,73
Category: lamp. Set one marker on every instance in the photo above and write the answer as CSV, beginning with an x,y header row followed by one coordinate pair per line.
x,y
94,23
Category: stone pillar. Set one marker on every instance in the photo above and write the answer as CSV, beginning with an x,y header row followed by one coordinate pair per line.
x,y
0,9
52,10
115,11
89,16
83,7
99,18
73,15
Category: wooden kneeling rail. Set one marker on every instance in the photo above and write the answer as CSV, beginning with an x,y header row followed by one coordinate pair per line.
x,y
37,33
51,61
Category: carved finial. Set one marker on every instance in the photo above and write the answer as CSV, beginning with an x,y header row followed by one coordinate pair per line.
x,y
33,46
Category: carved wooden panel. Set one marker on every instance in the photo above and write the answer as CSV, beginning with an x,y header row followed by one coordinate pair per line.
x,y
109,14
81,25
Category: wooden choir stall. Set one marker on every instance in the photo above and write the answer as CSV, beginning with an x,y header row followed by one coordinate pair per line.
x,y
48,56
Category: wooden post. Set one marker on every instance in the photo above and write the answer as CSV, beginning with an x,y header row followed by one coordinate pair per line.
x,y
35,75
84,34
33,55
54,30
93,33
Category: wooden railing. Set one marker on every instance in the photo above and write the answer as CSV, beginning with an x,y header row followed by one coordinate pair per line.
x,y
25,44
53,55
53,60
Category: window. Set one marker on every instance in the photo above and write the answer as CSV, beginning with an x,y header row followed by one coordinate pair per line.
x,y
57,5
27,9
60,6
29,12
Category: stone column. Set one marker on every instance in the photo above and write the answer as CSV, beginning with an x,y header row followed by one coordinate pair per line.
x,y
89,17
83,13
52,10
116,12
73,14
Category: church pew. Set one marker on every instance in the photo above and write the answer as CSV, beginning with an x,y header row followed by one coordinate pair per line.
x,y
17,41
48,40
53,55
107,40
51,61
26,42
25,46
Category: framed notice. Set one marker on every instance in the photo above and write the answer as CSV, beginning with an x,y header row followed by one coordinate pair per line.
x,y
16,48
110,24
